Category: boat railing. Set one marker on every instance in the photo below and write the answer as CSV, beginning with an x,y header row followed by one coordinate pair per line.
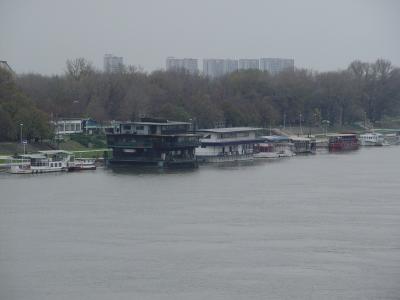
x,y
18,162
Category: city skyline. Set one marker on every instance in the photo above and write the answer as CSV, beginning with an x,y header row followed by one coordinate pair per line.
x,y
308,31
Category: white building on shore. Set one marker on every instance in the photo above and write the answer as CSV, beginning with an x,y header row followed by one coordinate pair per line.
x,y
68,126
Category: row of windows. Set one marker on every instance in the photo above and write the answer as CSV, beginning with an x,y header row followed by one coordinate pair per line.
x,y
131,127
233,135
69,127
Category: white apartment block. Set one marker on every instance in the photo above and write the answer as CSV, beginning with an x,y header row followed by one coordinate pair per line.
x,y
188,64
246,64
276,65
113,64
213,67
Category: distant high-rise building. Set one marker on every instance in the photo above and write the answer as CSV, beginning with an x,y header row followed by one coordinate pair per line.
x,y
219,67
188,64
246,64
276,65
230,66
113,63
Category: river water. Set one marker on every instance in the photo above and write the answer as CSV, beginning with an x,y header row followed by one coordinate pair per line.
x,y
325,226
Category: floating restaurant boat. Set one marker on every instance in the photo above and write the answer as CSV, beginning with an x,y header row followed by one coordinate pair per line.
x,y
303,145
227,144
273,147
342,142
43,162
372,139
152,142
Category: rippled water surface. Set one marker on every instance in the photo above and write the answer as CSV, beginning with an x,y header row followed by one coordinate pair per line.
x,y
314,227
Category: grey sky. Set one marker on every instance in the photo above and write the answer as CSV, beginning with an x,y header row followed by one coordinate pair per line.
x,y
39,36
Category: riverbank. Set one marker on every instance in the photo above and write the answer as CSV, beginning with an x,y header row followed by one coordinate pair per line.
x,y
77,142
10,149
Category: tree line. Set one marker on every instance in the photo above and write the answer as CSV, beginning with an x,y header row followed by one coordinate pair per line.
x,y
18,111
244,98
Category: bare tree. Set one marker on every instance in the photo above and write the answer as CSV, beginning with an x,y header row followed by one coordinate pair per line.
x,y
78,67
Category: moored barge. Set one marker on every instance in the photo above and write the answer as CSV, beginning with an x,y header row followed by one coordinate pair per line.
x,y
274,146
343,142
227,144
303,145
152,142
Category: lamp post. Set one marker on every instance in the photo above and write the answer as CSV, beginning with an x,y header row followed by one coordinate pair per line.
x,y
284,120
20,135
22,141
325,123
301,129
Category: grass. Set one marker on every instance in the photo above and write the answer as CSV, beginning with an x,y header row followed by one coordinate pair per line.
x,y
90,141
93,153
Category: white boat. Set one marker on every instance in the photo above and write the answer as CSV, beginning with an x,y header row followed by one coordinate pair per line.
x,y
227,144
372,139
303,144
46,161
274,146
83,164
265,150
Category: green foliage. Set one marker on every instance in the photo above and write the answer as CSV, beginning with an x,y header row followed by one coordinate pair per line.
x,y
16,108
246,97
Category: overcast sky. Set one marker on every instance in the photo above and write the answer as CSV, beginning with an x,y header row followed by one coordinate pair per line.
x,y
39,36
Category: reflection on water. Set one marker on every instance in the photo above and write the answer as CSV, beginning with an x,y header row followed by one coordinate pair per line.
x,y
322,226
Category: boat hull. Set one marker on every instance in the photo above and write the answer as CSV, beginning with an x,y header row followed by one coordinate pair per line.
x,y
37,170
82,168
224,158
266,155
372,143
153,163
343,146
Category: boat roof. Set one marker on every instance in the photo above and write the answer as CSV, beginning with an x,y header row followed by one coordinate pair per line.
x,y
275,138
54,152
230,129
299,138
340,134
169,123
370,133
33,155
